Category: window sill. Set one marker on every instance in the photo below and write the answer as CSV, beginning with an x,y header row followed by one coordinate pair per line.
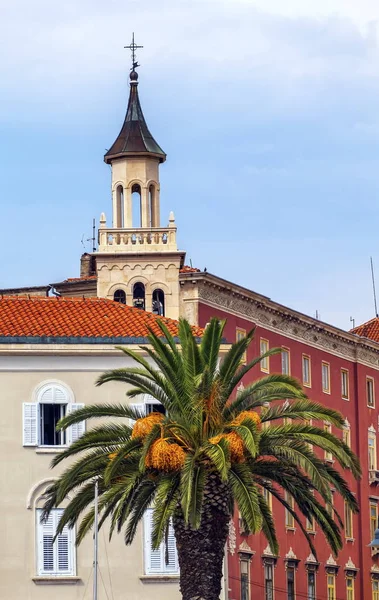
x,y
329,460
50,449
160,578
311,532
290,528
372,407
70,580
350,539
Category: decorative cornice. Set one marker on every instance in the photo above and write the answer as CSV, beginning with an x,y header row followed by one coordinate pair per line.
x,y
244,548
350,566
331,562
311,559
290,555
267,551
277,318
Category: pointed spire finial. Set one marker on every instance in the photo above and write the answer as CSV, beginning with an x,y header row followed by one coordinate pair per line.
x,y
133,47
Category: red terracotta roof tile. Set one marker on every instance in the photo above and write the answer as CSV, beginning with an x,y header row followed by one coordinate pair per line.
x,y
77,317
80,278
369,330
188,269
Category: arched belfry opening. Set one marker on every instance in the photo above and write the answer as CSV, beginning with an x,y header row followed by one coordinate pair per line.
x,y
158,303
120,218
119,296
136,205
139,295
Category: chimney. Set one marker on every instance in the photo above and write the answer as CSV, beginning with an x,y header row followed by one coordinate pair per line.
x,y
87,265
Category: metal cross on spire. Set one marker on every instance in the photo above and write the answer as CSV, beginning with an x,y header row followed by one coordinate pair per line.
x,y
133,47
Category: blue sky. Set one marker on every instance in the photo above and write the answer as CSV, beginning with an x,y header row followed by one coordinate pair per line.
x,y
268,111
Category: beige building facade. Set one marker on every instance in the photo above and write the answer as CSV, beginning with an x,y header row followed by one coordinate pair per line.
x,y
39,381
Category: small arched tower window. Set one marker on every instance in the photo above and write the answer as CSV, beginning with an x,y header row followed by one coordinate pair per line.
x,y
119,296
136,206
139,295
120,206
154,209
158,303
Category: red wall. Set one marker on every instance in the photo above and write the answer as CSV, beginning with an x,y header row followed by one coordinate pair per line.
x,y
360,417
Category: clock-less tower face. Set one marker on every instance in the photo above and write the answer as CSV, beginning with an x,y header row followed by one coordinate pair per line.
x,y
138,261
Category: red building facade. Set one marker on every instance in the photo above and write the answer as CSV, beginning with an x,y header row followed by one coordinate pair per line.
x,y
337,368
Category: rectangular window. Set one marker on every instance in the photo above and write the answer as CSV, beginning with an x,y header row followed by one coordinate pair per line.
x,y
289,519
310,525
372,452
155,560
375,590
244,574
285,361
328,455
265,362
348,522
373,519
306,370
290,583
311,585
331,583
325,372
349,588
268,497
50,414
240,335
54,559
370,392
269,582
345,384
40,420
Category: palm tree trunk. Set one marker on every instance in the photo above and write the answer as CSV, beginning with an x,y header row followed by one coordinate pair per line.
x,y
201,551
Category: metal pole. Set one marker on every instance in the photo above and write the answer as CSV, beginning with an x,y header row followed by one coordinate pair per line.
x,y
95,541
373,286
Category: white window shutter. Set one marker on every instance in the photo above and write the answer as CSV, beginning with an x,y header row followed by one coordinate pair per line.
x,y
54,559
30,424
153,558
140,407
75,431
172,566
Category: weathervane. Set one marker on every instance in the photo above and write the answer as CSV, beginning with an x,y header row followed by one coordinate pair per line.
x,y
133,47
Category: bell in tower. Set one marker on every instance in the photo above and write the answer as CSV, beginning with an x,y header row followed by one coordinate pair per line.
x,y
137,260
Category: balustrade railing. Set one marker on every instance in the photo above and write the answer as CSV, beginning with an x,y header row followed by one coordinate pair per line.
x,y
137,240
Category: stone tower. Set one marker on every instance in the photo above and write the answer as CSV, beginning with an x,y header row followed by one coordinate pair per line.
x,y
137,260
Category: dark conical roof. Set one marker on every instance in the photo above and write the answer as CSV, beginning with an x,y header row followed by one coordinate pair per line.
x,y
134,138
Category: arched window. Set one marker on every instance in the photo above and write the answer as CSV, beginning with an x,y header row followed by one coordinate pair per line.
x,y
139,295
120,206
158,303
136,206
119,296
154,218
52,402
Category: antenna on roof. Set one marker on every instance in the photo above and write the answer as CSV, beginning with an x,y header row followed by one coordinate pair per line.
x,y
373,286
91,239
352,320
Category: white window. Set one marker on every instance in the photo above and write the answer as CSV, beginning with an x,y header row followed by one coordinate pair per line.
x,y
54,559
306,370
148,406
370,392
345,384
155,560
40,418
372,459
285,361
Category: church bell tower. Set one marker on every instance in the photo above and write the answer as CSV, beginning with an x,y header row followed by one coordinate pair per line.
x,y
137,260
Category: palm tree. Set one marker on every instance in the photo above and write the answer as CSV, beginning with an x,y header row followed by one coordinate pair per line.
x,y
212,450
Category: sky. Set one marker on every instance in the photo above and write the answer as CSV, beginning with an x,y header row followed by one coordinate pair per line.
x,y
267,110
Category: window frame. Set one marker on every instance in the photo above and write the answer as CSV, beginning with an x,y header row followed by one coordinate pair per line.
x,y
286,352
244,579
345,395
348,522
350,591
372,466
311,596
375,592
308,359
328,456
291,569
346,433
326,390
265,361
240,335
370,380
289,519
373,520
331,586
269,592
